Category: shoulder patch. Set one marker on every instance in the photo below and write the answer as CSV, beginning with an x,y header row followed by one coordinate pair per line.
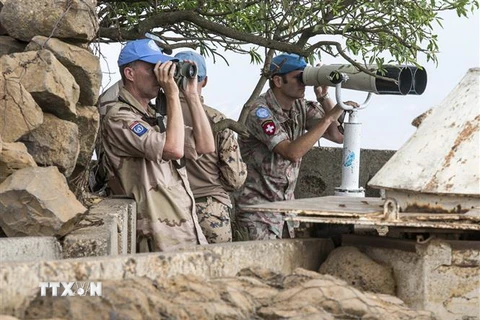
x,y
138,128
262,113
269,127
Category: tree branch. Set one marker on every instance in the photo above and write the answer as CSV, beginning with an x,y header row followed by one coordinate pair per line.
x,y
168,18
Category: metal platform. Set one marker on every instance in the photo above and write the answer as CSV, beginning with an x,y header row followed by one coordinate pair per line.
x,y
367,211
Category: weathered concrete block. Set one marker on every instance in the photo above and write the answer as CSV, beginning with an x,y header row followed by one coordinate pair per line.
x,y
132,228
121,209
93,241
29,248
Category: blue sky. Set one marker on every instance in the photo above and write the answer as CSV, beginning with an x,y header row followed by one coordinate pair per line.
x,y
386,122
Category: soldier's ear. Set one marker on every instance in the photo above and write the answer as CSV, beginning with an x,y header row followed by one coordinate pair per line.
x,y
128,73
277,80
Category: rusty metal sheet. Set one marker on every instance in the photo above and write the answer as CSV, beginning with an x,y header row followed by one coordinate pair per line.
x,y
449,225
410,201
366,211
443,155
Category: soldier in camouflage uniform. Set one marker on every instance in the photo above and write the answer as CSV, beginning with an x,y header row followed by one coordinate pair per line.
x,y
278,140
214,175
142,158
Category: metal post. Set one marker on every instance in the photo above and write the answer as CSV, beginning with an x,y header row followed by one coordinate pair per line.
x,y
351,159
351,146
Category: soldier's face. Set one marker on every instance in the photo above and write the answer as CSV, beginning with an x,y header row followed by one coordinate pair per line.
x,y
145,80
291,85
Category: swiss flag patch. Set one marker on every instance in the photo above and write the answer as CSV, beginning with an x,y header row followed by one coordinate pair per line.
x,y
269,127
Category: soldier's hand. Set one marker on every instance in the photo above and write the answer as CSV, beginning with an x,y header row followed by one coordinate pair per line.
x,y
191,83
164,73
352,104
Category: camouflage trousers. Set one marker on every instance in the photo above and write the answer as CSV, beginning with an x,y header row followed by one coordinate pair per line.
x,y
214,219
262,226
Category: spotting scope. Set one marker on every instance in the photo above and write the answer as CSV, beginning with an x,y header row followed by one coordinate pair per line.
x,y
408,79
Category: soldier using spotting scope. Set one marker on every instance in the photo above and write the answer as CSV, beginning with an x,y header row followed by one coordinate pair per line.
x,y
278,140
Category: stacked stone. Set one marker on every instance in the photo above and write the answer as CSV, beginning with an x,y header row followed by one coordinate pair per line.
x,y
49,86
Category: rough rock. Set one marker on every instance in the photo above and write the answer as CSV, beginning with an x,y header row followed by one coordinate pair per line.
x,y
301,295
82,64
48,81
13,157
10,45
36,202
88,121
55,142
18,107
75,19
357,269
2,29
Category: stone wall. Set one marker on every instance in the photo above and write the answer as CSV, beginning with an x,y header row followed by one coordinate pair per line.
x,y
49,85
321,171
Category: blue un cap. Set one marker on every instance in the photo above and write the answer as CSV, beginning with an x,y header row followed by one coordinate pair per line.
x,y
286,63
145,50
198,59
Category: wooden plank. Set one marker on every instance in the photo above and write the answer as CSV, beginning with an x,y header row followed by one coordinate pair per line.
x,y
330,206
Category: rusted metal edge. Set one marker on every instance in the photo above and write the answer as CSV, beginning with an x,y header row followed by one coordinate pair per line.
x,y
464,244
453,225
367,211
402,244
379,242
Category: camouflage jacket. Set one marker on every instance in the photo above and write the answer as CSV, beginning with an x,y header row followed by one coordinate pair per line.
x,y
218,173
270,176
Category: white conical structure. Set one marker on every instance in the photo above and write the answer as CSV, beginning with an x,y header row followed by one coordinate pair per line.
x,y
438,168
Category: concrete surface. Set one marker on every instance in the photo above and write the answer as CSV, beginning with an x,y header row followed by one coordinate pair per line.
x,y
321,171
116,236
442,276
19,281
29,248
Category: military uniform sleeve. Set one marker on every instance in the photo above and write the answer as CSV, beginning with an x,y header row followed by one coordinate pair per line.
x,y
190,149
314,113
232,167
265,127
130,136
